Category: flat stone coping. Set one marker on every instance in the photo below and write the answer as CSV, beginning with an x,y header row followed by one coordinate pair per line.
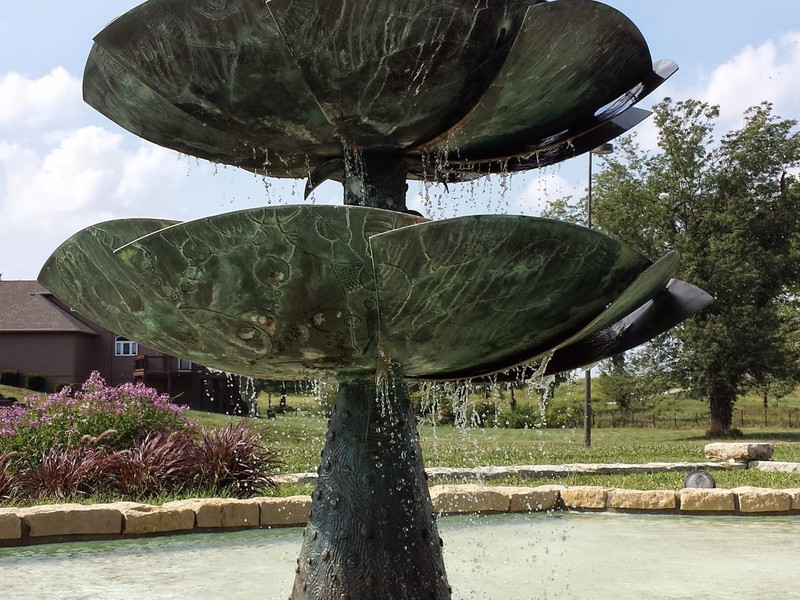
x,y
544,471
71,522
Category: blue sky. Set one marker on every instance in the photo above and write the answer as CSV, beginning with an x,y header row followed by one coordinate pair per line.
x,y
63,166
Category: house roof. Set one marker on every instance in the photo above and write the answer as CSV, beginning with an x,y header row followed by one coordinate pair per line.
x,y
27,306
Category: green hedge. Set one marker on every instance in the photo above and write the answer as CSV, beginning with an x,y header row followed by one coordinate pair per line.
x,y
9,377
35,382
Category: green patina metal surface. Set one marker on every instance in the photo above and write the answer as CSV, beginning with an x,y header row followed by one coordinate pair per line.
x,y
287,86
474,295
284,292
84,272
646,286
300,291
372,531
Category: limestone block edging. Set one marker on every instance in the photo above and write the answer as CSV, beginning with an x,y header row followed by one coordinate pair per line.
x,y
10,524
71,519
293,510
139,519
794,494
531,499
770,466
212,513
26,525
585,497
761,500
707,500
469,498
642,499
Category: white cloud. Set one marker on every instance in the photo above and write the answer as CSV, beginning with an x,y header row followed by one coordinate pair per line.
x,y
139,171
53,98
88,177
768,72
89,171
515,194
546,187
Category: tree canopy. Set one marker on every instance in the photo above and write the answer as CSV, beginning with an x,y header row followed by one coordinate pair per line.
x,y
731,208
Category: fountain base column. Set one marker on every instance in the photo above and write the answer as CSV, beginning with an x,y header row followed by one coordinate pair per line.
x,y
371,533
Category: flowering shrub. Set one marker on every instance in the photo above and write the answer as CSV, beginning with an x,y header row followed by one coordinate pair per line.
x,y
63,420
126,442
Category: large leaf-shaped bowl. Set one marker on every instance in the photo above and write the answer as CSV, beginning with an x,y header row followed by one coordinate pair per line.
x,y
452,90
299,291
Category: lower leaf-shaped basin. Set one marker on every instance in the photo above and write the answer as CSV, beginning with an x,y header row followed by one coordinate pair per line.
x,y
475,295
296,291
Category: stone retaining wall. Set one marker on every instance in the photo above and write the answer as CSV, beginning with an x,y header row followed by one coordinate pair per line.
x,y
67,522
545,471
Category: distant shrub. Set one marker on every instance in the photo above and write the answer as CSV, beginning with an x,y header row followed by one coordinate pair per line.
x,y
35,382
9,377
522,417
434,403
565,414
483,414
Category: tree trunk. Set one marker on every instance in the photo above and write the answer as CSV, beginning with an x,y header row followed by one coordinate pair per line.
x,y
371,532
721,403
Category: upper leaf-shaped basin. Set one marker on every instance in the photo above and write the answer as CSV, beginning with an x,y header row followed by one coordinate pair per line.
x,y
286,86
295,291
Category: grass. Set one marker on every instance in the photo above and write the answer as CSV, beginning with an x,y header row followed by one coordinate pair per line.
x,y
19,393
299,436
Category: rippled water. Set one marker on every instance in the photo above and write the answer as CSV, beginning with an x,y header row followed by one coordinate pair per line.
x,y
594,556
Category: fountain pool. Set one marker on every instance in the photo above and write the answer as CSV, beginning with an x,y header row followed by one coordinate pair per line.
x,y
556,555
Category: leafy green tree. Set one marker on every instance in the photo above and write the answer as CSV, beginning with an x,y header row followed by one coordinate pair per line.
x,y
732,211
642,378
567,209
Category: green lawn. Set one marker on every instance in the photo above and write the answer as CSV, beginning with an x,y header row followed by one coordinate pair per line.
x,y
8,391
299,437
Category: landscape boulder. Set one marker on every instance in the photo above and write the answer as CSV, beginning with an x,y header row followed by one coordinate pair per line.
x,y
738,451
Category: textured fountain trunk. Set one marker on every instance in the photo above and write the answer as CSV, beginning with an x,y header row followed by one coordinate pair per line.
x,y
371,533
375,180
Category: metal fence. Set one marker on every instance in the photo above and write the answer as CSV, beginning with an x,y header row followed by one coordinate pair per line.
x,y
774,417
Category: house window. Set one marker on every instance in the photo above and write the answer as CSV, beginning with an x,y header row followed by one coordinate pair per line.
x,y
125,347
184,365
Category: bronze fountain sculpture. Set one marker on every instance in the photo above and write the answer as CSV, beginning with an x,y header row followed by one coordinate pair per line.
x,y
371,93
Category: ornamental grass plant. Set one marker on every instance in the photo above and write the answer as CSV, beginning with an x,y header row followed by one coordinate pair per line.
x,y
231,460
